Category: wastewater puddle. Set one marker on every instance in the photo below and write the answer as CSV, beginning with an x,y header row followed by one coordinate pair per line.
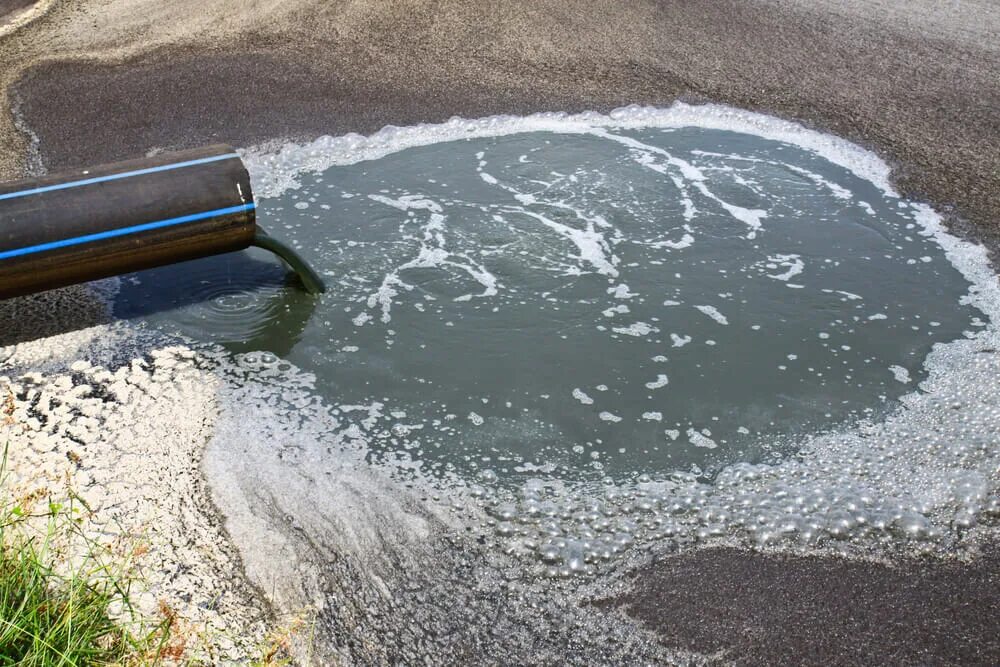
x,y
592,304
586,334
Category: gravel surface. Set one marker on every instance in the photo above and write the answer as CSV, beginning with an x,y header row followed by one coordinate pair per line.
x,y
755,609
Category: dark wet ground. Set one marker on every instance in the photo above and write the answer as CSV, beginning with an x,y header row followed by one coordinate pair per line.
x,y
12,5
8,7
930,105
758,609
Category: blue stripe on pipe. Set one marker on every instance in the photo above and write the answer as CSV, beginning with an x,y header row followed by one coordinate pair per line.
x,y
124,231
115,177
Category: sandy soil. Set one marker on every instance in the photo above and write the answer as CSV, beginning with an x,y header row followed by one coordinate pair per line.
x,y
974,23
917,82
16,13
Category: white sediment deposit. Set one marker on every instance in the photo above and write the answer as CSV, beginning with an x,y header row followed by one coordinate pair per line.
x,y
114,421
122,443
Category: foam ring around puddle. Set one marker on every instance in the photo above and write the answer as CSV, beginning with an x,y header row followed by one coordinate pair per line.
x,y
658,327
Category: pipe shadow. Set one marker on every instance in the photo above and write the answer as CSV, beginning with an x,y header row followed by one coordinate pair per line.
x,y
237,300
54,312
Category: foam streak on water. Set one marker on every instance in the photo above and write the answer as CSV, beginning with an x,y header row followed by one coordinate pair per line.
x,y
432,254
692,175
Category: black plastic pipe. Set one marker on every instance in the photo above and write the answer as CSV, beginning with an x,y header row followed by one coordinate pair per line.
x,y
75,227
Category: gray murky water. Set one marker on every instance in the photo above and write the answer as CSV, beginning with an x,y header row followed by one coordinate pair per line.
x,y
586,305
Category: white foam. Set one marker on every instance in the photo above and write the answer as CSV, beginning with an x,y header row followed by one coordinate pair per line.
x,y
900,373
644,155
432,253
636,329
686,242
591,244
838,191
850,296
680,341
660,382
620,291
593,247
714,313
620,309
276,172
700,439
794,265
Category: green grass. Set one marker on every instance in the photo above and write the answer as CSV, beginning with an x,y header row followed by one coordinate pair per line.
x,y
64,598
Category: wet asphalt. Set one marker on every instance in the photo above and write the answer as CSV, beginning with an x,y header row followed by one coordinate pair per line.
x,y
756,609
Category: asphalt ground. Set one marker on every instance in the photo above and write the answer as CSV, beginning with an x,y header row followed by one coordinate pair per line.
x,y
757,609
926,97
917,82
10,8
